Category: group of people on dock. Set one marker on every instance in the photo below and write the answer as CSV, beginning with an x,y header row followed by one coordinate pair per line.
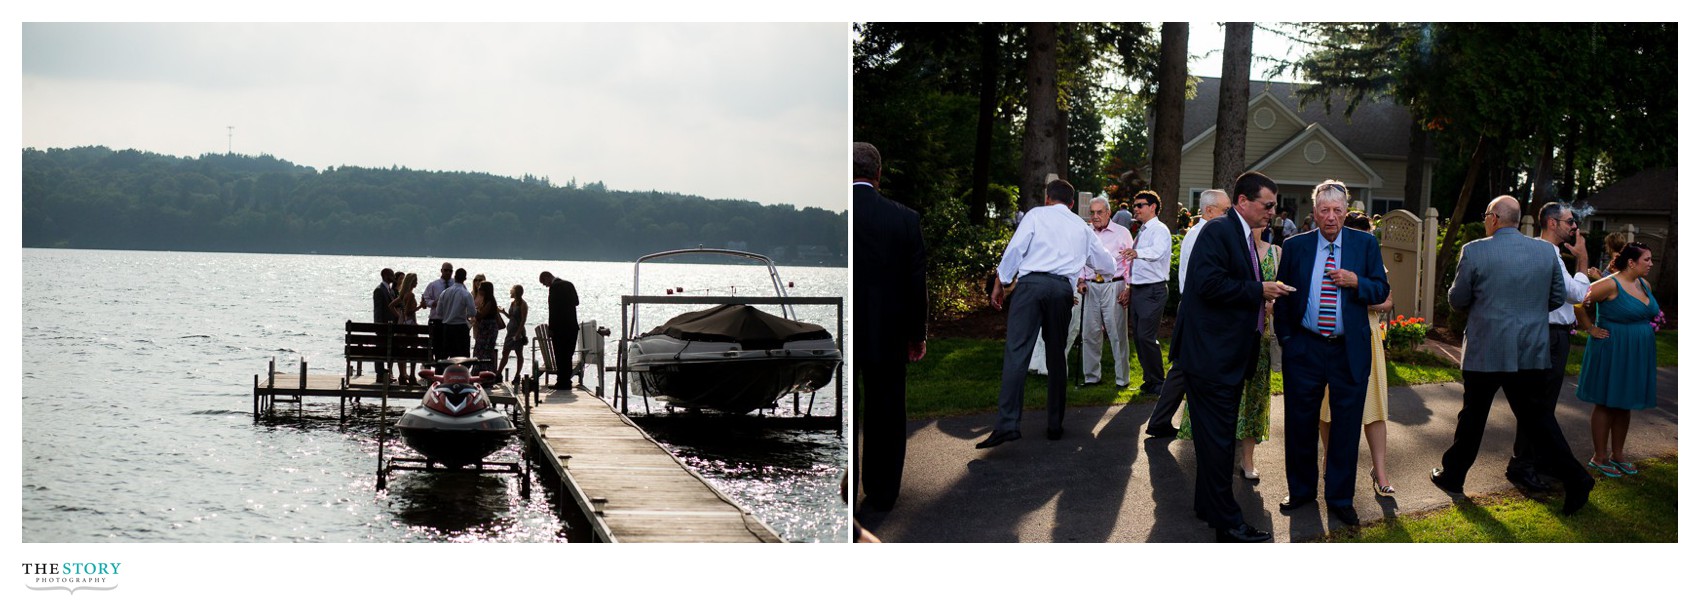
x,y
1312,301
467,322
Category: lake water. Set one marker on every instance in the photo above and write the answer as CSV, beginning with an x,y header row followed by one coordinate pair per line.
x,y
137,400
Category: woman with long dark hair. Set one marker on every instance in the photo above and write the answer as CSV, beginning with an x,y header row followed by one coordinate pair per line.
x,y
1620,362
489,323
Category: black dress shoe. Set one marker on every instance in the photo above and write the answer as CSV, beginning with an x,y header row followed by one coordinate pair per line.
x,y
1345,514
1528,479
1053,434
1162,431
1150,389
1288,503
1243,533
997,438
1576,496
1443,483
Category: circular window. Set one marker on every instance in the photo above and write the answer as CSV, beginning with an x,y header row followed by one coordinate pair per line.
x,y
1315,152
1264,118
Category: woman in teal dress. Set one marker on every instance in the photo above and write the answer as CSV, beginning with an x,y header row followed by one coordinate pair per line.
x,y
1618,366
1252,427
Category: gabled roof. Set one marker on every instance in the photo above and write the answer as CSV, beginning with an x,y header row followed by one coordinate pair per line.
x,y
1378,127
1652,190
1311,133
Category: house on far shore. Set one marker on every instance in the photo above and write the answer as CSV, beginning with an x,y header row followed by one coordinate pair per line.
x,y
1646,200
1300,147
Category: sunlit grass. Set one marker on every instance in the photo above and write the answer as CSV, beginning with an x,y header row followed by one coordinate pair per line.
x,y
1641,508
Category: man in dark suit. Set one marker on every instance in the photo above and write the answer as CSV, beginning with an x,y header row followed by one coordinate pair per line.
x,y
1215,341
563,326
382,296
1508,283
1337,273
891,325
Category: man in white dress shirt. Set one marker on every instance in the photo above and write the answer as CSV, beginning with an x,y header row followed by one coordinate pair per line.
x,y
1211,204
1104,298
428,299
1558,227
1149,275
1044,256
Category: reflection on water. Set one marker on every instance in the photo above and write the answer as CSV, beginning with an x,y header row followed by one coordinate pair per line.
x,y
136,401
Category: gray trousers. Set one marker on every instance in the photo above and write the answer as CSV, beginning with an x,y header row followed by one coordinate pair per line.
x,y
1146,304
1040,300
1103,316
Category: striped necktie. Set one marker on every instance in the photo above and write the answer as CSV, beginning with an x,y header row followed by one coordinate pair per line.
x,y
1328,306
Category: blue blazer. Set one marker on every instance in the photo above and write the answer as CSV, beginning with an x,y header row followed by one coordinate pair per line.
x,y
1361,255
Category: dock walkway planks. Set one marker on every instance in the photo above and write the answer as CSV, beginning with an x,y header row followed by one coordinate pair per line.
x,y
644,493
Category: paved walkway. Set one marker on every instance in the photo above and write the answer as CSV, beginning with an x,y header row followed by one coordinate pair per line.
x,y
1105,482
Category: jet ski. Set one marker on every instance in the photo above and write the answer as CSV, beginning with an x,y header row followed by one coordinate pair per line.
x,y
454,424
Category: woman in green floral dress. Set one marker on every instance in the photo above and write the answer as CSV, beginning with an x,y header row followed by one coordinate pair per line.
x,y
1252,427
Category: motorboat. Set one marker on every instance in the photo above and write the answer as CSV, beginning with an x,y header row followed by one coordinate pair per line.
x,y
454,423
732,357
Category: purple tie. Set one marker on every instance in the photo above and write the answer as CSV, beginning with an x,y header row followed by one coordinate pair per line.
x,y
1251,244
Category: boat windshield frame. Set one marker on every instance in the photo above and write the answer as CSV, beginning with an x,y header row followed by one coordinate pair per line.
x,y
785,309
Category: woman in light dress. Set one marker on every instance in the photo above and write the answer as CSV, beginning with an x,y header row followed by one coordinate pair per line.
x,y
516,341
406,306
1375,395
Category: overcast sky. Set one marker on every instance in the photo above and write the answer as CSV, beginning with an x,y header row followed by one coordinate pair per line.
x,y
742,111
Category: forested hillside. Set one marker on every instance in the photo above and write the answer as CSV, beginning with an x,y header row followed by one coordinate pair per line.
x,y
95,197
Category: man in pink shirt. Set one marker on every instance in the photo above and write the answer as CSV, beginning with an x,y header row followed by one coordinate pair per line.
x,y
1105,298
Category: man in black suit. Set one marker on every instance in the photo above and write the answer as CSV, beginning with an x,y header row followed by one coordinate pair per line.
x,y
381,313
563,326
1325,346
1216,336
891,324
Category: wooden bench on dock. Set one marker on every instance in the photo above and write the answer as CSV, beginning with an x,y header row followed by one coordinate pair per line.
x,y
383,343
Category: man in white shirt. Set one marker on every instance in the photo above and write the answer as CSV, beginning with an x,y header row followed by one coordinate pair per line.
x,y
1045,255
455,304
1558,227
1211,204
1149,275
1104,299
428,300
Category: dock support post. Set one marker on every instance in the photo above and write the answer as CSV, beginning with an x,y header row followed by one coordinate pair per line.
x,y
256,398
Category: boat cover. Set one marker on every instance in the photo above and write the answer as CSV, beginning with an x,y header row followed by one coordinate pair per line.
x,y
746,325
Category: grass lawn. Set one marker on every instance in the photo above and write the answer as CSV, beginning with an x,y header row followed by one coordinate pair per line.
x,y
1630,509
961,376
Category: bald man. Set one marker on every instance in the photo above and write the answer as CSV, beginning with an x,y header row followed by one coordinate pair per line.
x,y
1508,283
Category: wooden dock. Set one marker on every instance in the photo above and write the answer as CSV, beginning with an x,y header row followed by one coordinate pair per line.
x,y
627,485
291,386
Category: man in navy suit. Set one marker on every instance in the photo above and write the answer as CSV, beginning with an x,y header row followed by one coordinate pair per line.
x,y
891,325
1325,344
1215,345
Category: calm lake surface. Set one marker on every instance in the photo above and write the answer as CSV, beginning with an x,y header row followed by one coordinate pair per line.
x,y
137,405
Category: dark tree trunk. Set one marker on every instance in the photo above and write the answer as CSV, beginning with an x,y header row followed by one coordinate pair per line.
x,y
1541,184
1416,164
983,130
1042,149
1166,123
1231,106
1448,248
1569,190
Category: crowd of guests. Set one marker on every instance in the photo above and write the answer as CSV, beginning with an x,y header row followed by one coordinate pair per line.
x,y
467,322
1256,288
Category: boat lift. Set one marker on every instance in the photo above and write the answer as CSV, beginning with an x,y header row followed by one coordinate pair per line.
x,y
631,305
520,413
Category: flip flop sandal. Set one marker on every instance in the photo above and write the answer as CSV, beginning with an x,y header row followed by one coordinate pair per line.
x,y
1605,469
1627,468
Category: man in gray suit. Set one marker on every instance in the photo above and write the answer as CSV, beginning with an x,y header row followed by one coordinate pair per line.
x,y
1508,283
